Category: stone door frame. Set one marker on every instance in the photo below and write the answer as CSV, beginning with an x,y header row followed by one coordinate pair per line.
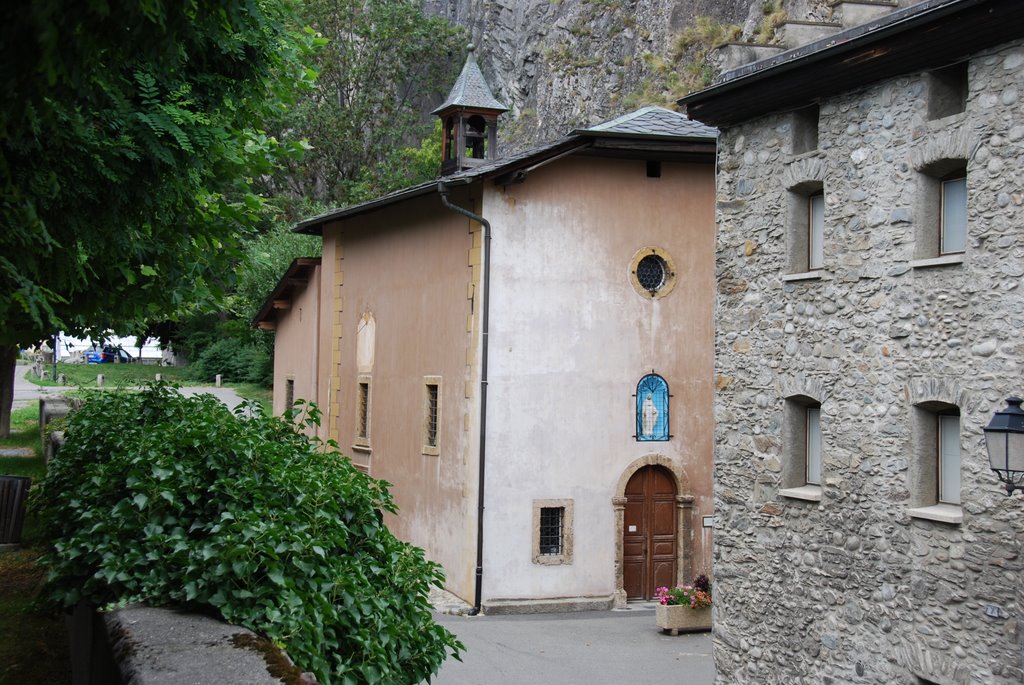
x,y
684,523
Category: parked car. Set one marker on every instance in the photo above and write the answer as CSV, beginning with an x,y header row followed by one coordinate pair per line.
x,y
108,355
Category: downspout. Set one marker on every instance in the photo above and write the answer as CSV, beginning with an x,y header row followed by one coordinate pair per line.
x,y
485,276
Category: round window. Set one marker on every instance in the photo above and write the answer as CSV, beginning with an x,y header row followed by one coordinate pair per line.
x,y
652,272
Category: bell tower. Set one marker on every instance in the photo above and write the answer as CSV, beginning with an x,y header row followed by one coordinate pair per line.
x,y
469,121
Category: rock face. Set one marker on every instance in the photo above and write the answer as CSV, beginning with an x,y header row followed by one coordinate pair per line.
x,y
574,63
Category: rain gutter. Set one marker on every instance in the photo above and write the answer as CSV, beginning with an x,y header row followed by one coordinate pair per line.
x,y
485,277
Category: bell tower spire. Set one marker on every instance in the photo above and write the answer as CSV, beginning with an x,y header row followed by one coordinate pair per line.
x,y
469,117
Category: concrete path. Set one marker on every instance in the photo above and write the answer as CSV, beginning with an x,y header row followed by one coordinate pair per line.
x,y
26,392
586,648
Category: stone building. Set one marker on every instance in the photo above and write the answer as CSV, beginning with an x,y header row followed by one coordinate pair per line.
x,y
524,350
870,321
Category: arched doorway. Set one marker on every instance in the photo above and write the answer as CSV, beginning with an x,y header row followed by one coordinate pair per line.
x,y
668,488
649,533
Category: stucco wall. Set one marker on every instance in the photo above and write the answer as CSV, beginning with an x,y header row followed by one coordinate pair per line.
x,y
296,346
407,269
853,589
569,340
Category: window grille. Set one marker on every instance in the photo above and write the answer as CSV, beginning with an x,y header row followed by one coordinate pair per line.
x,y
652,400
289,394
650,272
431,423
551,530
363,415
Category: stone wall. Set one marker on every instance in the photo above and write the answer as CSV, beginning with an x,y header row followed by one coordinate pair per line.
x,y
852,588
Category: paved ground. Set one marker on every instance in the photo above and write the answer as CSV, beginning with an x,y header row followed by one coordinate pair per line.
x,y
26,392
586,648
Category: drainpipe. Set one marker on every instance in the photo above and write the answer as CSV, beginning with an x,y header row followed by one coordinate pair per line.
x,y
485,276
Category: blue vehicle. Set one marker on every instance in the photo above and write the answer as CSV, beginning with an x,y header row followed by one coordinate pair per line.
x,y
108,355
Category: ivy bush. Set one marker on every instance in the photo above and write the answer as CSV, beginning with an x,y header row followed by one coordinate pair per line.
x,y
235,361
168,500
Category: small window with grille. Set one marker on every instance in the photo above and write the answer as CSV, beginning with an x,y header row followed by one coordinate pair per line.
x,y
652,398
652,272
289,394
431,414
552,531
363,412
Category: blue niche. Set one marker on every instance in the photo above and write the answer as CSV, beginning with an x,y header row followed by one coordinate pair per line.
x,y
652,408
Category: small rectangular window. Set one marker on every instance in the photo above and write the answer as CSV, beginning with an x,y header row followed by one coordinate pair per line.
x,y
804,124
815,231
949,459
813,445
431,414
363,412
289,394
551,530
947,91
953,233
653,169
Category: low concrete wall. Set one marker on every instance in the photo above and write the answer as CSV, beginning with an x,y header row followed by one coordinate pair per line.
x,y
141,645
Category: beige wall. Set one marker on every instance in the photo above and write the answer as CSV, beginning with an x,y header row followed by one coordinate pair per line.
x,y
570,338
296,344
408,269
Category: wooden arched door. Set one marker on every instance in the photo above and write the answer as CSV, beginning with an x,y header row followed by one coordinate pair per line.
x,y
649,533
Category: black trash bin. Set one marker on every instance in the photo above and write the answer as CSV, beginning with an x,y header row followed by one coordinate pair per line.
x,y
13,494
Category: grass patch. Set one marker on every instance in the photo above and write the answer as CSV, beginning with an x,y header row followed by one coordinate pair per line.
x,y
257,393
114,374
34,650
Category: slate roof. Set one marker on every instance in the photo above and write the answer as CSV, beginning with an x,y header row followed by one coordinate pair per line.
x,y
471,89
653,121
649,123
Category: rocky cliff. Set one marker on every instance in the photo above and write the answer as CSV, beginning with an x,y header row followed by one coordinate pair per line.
x,y
559,65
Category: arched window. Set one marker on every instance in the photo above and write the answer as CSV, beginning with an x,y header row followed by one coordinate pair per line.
x,y
652,408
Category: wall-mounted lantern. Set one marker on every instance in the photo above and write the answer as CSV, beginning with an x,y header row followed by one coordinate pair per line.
x,y
1004,439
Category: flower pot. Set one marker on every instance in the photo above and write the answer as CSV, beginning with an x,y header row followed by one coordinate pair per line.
x,y
680,618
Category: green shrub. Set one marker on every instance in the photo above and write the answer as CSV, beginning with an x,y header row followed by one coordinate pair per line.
x,y
168,500
236,363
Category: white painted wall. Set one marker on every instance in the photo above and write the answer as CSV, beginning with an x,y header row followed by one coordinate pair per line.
x,y
570,338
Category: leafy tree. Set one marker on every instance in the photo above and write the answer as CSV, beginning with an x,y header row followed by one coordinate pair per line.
x,y
127,150
186,504
384,64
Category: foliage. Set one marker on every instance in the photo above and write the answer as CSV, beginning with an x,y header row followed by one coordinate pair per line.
x,y
235,362
186,504
267,258
695,596
127,142
383,64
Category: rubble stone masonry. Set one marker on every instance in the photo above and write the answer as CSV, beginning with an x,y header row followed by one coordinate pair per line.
x,y
846,585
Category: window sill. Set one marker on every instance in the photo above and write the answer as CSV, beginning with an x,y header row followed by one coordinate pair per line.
x,y
361,448
810,493
431,451
944,260
943,513
804,276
